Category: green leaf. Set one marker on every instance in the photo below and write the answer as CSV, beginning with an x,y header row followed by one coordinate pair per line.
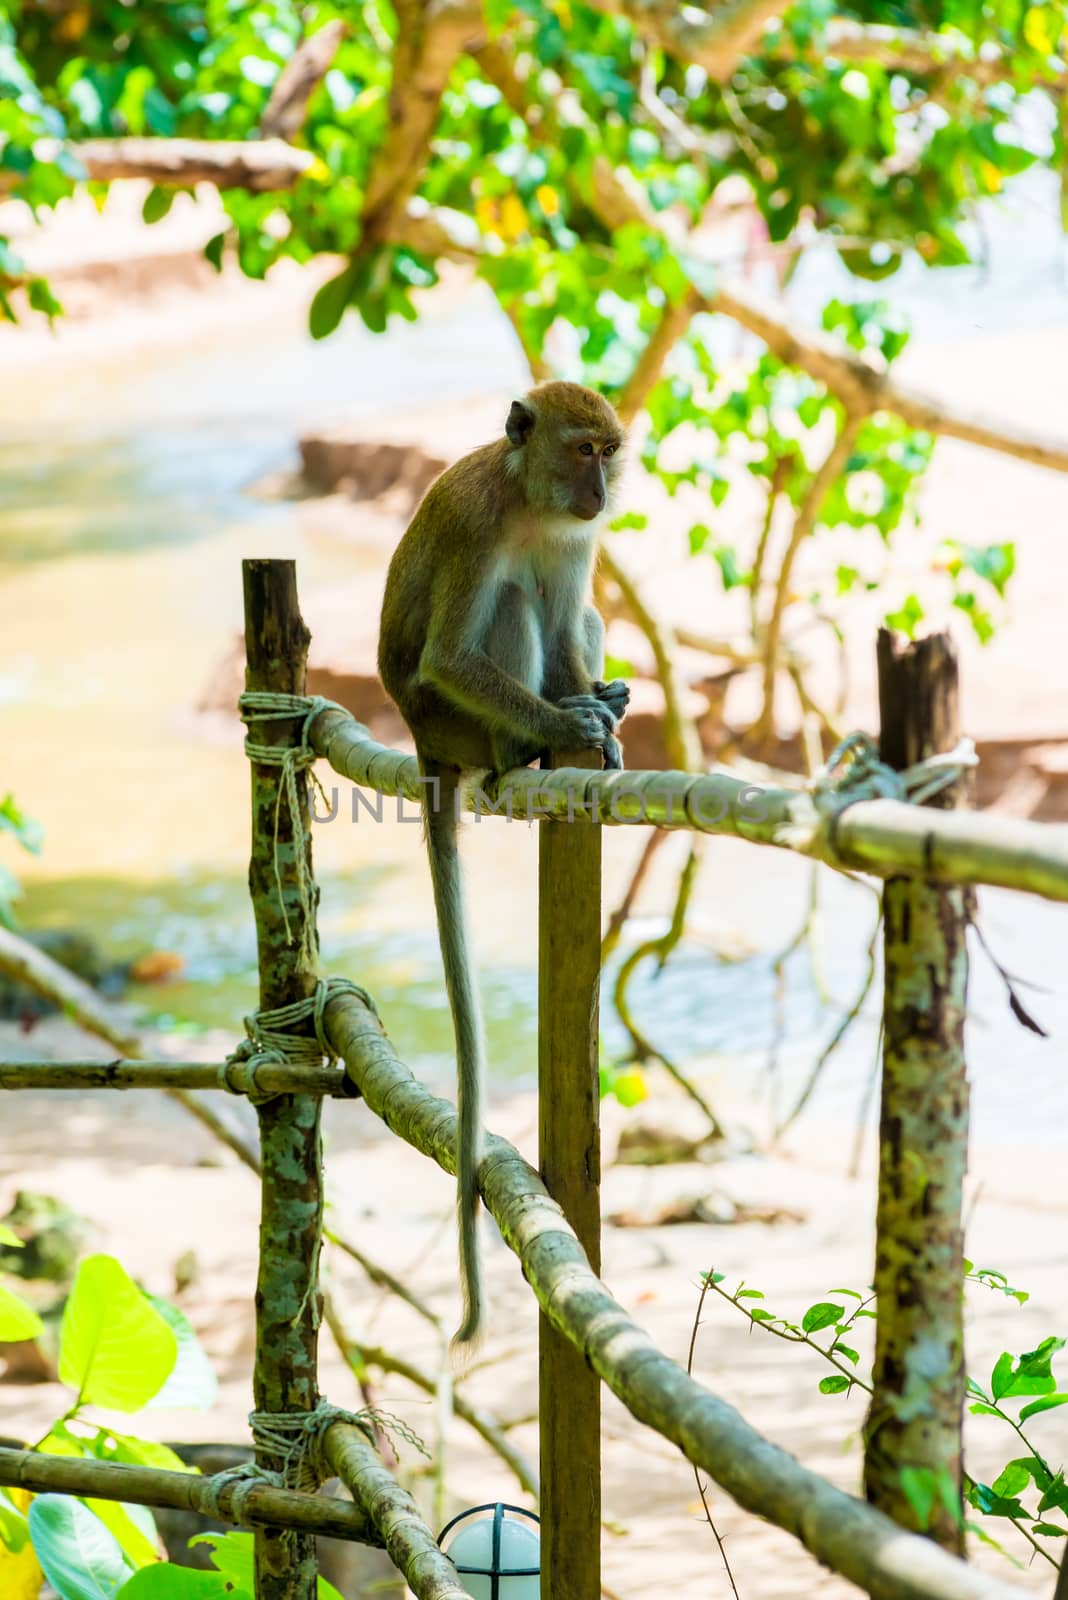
x,y
835,1384
1046,1403
112,1446
1001,1377
907,617
636,520
29,835
919,1486
699,537
115,1349
1050,1529
213,250
42,299
78,1556
192,1384
838,1348
822,1315
157,203
982,1496
331,301
14,1529
232,1555
167,1582
133,1527
726,560
9,1239
1029,1374
1012,1479
17,1319
1055,1494
630,1088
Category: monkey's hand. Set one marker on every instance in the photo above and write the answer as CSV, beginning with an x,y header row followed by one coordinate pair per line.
x,y
615,695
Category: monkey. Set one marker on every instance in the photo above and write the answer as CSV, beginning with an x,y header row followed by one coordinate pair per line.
x,y
493,655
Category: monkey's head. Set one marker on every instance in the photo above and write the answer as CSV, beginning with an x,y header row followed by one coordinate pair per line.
x,y
565,449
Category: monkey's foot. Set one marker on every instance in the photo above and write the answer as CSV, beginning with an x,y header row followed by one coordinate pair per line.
x,y
593,723
591,705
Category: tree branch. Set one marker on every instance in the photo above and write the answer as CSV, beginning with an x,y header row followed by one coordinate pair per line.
x,y
715,40
917,52
298,80
484,1423
258,165
808,512
861,382
680,733
430,38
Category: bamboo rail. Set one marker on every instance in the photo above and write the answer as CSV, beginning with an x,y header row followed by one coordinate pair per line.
x,y
261,1504
843,1532
268,1077
888,838
393,1514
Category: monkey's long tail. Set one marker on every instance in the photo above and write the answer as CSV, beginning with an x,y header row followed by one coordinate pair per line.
x,y
440,813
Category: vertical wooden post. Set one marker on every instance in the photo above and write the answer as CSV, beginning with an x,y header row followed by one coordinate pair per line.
x,y
915,1417
569,975
287,1289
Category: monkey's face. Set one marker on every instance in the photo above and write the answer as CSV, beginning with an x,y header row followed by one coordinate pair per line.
x,y
566,441
590,471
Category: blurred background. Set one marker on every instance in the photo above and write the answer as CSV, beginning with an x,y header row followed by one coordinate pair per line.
x,y
267,269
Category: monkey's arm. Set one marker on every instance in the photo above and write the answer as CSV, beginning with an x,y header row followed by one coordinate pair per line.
x,y
470,680
465,675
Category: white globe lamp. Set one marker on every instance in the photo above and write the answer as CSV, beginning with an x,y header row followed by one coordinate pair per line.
x,y
497,1552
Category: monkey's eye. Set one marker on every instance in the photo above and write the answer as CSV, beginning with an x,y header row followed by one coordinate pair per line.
x,y
586,449
610,449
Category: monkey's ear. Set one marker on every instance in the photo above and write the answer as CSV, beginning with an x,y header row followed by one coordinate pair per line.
x,y
520,423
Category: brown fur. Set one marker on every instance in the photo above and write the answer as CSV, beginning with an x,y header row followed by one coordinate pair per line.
x,y
491,652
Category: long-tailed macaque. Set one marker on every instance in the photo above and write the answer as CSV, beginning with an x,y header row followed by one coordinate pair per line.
x,y
492,652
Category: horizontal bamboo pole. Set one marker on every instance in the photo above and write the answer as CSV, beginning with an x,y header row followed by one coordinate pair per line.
x,y
267,1078
843,1532
264,1505
411,1546
888,838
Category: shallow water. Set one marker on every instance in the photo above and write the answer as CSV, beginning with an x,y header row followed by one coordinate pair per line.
x,y
122,527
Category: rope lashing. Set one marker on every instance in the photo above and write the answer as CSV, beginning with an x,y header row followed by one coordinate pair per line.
x,y
297,1439
291,759
853,771
272,1036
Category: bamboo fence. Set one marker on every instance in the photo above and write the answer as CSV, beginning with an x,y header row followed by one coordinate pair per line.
x,y
930,857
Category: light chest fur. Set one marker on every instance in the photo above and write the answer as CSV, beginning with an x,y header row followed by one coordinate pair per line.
x,y
537,594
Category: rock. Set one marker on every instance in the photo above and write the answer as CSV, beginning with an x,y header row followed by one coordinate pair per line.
x,y
81,954
52,1238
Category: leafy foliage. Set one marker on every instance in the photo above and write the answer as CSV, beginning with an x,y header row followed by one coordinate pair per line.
x,y
1026,1378
121,1349
14,821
